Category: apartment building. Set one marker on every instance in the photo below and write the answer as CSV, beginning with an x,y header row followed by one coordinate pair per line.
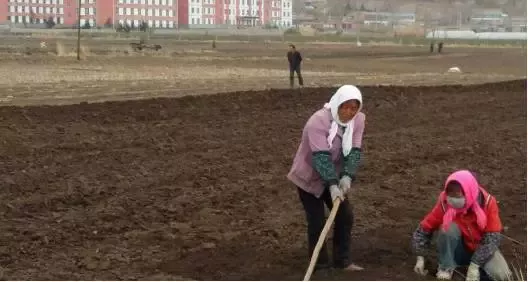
x,y
157,13
62,12
33,11
286,18
235,12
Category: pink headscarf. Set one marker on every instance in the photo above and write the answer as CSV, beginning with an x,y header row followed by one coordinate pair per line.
x,y
471,190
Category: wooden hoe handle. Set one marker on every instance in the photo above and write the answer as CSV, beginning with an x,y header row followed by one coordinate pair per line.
x,y
322,238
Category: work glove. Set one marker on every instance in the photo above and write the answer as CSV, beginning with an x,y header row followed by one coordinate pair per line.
x,y
444,274
345,183
473,272
335,193
420,266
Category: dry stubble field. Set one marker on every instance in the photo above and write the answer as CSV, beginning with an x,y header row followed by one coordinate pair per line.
x,y
181,68
194,187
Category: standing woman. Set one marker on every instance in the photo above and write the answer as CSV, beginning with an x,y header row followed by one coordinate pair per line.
x,y
325,166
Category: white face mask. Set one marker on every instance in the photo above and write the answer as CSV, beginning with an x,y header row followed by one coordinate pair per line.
x,y
456,203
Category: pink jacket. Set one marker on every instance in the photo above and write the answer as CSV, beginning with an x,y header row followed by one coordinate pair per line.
x,y
314,138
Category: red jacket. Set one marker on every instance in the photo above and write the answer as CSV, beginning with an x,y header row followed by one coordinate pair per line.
x,y
467,222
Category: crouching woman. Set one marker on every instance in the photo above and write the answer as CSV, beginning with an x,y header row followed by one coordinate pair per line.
x,y
466,219
324,167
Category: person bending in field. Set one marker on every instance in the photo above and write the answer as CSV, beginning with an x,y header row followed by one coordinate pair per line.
x,y
466,218
325,166
294,60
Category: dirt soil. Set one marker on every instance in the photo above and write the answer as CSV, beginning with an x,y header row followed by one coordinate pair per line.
x,y
196,187
110,71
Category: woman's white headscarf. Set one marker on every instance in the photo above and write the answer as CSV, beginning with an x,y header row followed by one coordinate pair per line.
x,y
343,94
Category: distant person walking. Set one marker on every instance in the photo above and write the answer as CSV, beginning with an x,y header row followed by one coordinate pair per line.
x,y
440,47
294,58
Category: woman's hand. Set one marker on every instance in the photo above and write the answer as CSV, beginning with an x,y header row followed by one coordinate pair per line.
x,y
345,183
335,193
420,266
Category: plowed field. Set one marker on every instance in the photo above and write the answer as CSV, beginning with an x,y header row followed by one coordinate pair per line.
x,y
195,187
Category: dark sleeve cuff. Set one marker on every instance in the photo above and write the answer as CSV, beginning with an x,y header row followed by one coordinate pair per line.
x,y
421,240
489,244
351,163
322,163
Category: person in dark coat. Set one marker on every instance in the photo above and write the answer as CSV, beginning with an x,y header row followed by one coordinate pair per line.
x,y
440,46
294,59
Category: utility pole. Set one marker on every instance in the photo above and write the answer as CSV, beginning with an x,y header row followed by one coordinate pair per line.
x,y
114,3
79,31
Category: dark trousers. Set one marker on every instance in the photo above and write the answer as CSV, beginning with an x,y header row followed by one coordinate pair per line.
x,y
315,215
297,70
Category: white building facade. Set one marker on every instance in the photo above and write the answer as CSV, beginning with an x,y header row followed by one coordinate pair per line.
x,y
286,13
157,13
